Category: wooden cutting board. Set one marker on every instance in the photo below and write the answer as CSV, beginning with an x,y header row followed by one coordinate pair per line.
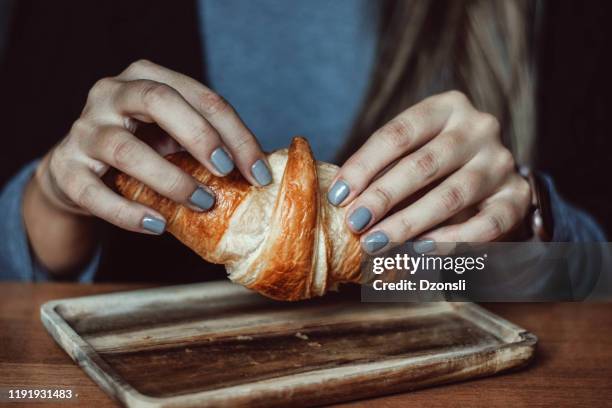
x,y
218,344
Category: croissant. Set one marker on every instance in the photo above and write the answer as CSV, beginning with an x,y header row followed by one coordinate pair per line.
x,y
284,240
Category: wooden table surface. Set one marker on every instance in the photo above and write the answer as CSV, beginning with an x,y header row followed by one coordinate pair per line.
x,y
573,365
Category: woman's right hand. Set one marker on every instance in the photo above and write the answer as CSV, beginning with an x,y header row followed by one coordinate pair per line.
x,y
103,137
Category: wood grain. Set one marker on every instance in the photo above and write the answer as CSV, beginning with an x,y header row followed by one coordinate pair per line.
x,y
573,365
233,347
237,360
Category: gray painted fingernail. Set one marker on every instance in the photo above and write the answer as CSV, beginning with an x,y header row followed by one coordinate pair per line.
x,y
261,172
202,199
375,242
339,191
154,224
424,246
359,218
221,160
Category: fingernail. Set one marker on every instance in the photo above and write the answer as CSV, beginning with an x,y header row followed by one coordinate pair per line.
x,y
154,224
359,218
424,246
339,191
375,242
262,174
221,160
202,199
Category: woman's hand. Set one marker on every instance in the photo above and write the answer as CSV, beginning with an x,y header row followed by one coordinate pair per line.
x,y
443,157
68,188
195,117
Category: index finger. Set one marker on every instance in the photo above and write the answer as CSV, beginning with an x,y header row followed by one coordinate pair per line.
x,y
403,134
239,140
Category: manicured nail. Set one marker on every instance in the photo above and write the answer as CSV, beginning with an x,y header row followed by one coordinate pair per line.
x,y
202,199
359,218
154,224
339,191
261,172
222,162
375,242
424,246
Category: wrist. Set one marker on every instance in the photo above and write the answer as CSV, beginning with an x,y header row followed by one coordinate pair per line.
x,y
60,239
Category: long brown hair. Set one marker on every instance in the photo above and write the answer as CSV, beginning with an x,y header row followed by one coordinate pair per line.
x,y
483,48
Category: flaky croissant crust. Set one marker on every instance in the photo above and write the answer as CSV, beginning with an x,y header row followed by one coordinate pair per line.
x,y
283,240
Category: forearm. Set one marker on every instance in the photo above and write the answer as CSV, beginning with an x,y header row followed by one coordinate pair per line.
x,y
17,258
61,241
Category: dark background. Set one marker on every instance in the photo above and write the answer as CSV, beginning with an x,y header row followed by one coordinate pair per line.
x,y
53,52
575,103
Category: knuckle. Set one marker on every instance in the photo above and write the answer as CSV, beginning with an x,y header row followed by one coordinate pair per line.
x,y
488,124
424,110
139,65
426,164
56,161
154,93
68,181
454,140
101,88
104,140
103,83
61,161
213,104
473,180
201,138
496,226
505,161
199,131
359,166
453,199
176,186
241,142
121,214
123,153
85,195
397,134
455,97
406,228
513,216
105,134
82,128
523,193
384,197
453,233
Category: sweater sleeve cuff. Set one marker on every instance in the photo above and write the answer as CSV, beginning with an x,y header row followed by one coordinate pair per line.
x,y
17,261
570,223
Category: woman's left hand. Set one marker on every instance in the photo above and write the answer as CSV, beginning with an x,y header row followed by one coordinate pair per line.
x,y
442,156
